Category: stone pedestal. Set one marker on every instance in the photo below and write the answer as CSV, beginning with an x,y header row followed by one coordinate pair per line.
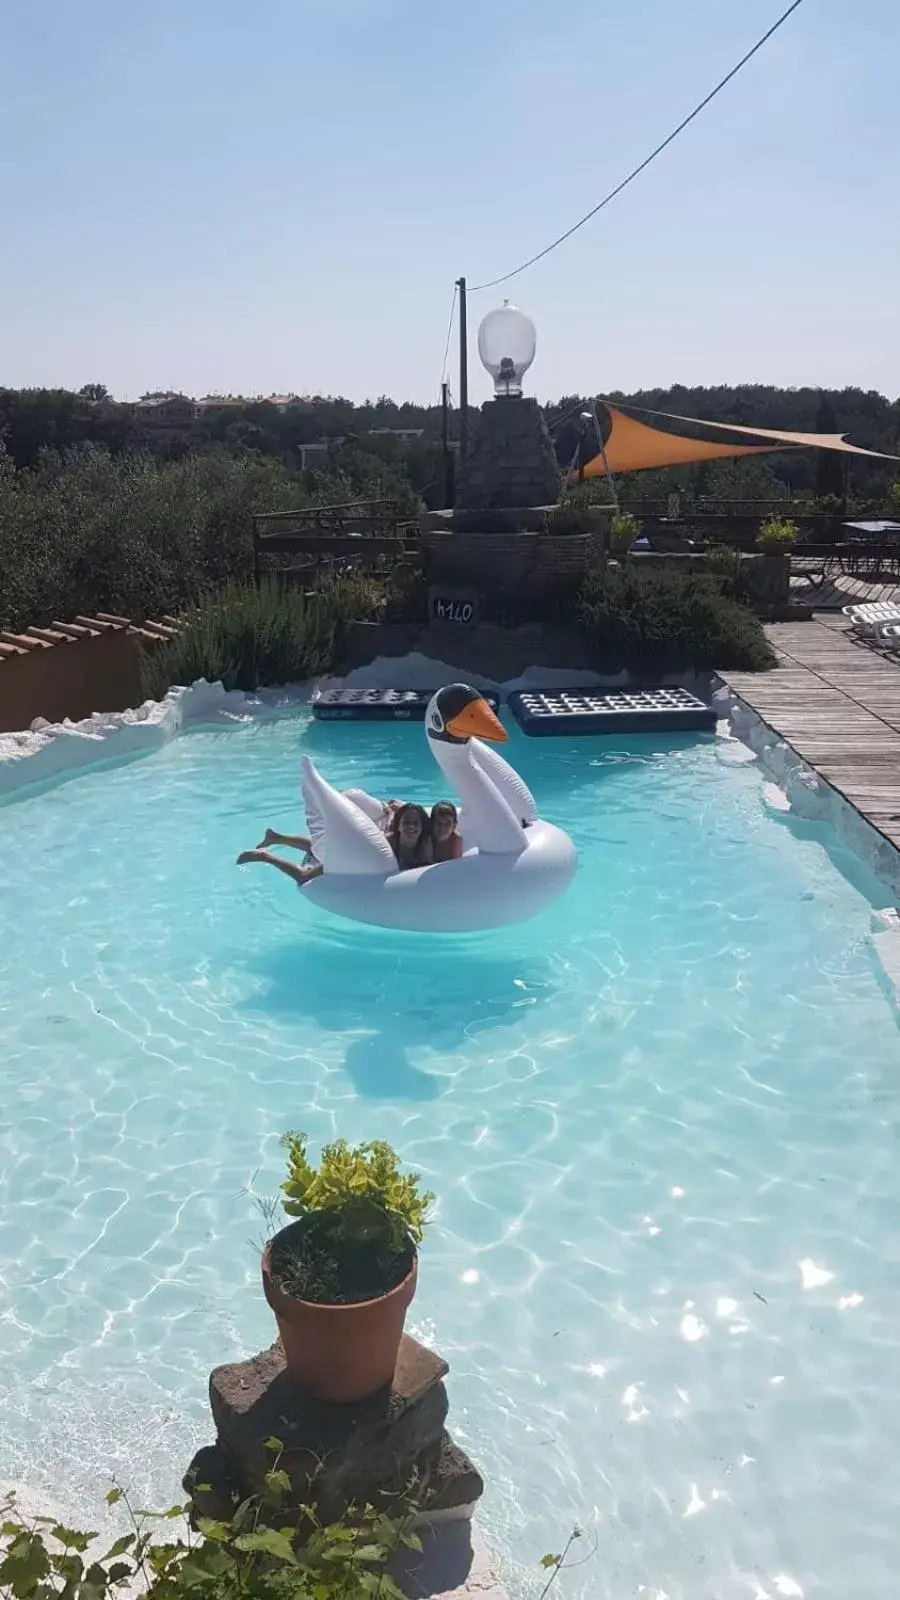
x,y
334,1455
510,460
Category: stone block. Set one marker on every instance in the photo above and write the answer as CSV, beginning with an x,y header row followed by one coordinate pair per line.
x,y
453,1564
449,1480
333,1454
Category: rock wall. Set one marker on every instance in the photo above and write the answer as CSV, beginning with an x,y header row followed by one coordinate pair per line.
x,y
489,652
510,460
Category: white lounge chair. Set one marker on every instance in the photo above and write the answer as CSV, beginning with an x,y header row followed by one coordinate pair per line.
x,y
888,636
872,615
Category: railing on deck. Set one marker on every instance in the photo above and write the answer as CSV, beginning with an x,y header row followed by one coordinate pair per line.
x,y
367,533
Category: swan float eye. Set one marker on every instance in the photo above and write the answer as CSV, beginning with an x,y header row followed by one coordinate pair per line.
x,y
436,720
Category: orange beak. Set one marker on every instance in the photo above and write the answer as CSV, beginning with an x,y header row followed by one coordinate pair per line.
x,y
477,721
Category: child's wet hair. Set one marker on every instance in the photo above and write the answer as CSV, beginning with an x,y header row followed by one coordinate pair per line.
x,y
444,808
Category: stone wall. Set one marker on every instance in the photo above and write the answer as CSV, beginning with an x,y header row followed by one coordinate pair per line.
x,y
510,460
485,650
502,560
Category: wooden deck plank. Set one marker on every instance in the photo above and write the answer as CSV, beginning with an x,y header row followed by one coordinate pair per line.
x,y
836,702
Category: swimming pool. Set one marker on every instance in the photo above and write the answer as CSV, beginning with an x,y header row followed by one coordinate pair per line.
x,y
661,1121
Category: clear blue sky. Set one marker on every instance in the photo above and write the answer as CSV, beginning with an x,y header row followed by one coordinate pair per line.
x,y
216,195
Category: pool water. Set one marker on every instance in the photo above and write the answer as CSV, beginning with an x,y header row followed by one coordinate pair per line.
x,y
661,1120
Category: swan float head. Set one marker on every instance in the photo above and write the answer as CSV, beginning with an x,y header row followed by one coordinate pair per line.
x,y
458,713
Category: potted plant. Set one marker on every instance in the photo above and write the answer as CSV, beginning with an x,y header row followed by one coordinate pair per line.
x,y
776,536
623,531
341,1276
771,583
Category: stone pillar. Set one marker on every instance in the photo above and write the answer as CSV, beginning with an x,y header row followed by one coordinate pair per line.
x,y
334,1455
510,460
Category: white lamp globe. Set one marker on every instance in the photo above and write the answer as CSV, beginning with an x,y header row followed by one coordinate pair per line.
x,y
506,345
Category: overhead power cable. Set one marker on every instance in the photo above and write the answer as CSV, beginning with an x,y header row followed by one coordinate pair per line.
x,y
492,283
449,331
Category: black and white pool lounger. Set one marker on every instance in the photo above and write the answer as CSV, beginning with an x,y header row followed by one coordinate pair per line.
x,y
378,705
871,616
584,711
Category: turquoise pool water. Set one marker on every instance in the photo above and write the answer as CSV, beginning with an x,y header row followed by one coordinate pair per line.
x,y
662,1122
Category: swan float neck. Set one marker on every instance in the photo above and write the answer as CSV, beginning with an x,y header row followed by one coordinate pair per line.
x,y
456,721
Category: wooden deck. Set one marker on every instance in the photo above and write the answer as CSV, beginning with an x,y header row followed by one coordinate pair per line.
x,y
838,588
836,702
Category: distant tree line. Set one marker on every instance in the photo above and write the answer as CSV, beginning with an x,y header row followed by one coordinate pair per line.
x,y
35,419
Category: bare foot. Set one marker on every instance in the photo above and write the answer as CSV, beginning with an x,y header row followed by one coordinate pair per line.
x,y
250,855
268,838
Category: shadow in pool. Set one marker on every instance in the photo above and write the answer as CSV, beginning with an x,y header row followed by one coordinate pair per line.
x,y
852,867
397,997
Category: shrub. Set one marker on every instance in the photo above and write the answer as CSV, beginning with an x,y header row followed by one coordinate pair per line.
x,y
88,531
776,535
725,565
363,1219
573,513
250,637
139,535
652,622
264,1550
407,594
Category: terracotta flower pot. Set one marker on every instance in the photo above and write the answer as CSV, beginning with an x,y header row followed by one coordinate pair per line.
x,y
339,1352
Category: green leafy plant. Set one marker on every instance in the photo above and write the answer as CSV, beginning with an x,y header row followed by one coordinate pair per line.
x,y
777,535
651,621
262,1550
554,1564
624,529
250,636
361,1217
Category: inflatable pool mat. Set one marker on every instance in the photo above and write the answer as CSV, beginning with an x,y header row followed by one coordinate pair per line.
x,y
573,711
378,705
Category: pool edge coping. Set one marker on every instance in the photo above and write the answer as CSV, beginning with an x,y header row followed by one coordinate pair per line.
x,y
809,795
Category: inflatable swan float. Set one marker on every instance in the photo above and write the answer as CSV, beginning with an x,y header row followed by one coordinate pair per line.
x,y
513,863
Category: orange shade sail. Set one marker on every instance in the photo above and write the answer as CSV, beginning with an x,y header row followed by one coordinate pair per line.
x,y
634,446
818,441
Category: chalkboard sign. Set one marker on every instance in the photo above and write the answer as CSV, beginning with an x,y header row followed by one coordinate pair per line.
x,y
458,607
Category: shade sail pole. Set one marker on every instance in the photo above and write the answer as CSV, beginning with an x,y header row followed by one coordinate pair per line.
x,y
609,477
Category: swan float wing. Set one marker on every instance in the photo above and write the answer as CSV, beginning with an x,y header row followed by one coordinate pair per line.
x,y
373,808
345,840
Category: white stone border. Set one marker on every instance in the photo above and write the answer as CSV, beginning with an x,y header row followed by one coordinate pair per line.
x,y
51,750
804,792
54,749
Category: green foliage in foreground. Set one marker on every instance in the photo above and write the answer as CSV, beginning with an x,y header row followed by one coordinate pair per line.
x,y
258,1553
652,621
247,637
